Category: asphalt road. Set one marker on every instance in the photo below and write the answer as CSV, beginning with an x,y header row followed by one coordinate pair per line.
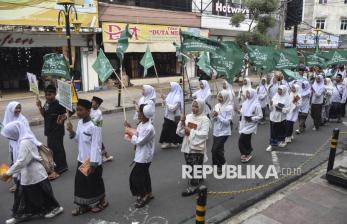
x,y
168,205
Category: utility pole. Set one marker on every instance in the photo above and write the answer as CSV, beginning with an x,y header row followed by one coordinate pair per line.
x,y
282,21
295,36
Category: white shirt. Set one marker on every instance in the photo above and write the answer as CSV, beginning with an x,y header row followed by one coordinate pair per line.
x,y
246,127
293,113
339,93
144,141
305,103
28,164
278,116
221,123
318,97
172,110
89,139
96,116
262,96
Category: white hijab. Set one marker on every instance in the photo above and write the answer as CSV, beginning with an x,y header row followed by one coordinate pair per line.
x,y
305,88
205,92
329,86
250,104
10,116
17,131
226,105
175,95
318,86
262,87
230,90
148,95
283,99
201,106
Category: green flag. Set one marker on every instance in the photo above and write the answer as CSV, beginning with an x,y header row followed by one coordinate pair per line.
x,y
192,42
123,43
147,61
261,57
204,63
55,65
334,57
286,58
102,66
314,59
228,60
290,75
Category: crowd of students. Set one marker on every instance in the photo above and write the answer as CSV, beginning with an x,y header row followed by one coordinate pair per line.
x,y
284,102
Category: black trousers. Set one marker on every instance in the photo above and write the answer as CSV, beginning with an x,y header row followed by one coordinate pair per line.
x,y
302,121
56,144
168,133
336,110
316,114
245,145
218,150
140,180
289,128
193,159
277,132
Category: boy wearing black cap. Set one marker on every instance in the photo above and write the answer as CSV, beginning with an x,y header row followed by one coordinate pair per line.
x,y
89,185
96,115
54,118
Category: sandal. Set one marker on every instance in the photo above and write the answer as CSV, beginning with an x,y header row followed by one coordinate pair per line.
x,y
99,207
53,176
80,211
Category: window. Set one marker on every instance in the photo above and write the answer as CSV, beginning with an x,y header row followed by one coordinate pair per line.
x,y
324,1
343,24
320,24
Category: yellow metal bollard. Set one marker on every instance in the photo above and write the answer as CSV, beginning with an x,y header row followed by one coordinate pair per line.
x,y
201,205
333,146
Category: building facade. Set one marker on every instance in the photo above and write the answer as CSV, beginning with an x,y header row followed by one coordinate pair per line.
x,y
28,32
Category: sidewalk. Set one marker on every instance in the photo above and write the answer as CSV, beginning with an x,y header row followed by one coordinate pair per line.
x,y
311,200
110,97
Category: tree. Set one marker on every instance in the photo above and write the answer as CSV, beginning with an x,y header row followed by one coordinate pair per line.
x,y
260,13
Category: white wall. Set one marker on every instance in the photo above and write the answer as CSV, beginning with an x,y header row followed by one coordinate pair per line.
x,y
90,78
222,22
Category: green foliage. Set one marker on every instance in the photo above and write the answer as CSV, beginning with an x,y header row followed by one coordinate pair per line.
x,y
237,19
252,38
264,23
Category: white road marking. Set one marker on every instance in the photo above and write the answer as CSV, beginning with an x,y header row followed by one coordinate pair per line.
x,y
275,161
294,153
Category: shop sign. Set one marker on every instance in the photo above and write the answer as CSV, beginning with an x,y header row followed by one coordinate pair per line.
x,y
143,33
45,13
227,8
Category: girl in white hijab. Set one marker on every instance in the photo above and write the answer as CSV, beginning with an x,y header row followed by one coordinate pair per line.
x,y
173,110
247,85
263,99
305,95
36,195
251,113
148,98
195,131
229,88
329,88
204,94
292,116
222,116
318,90
279,107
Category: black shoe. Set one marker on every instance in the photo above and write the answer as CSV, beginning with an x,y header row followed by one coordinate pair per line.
x,y
188,192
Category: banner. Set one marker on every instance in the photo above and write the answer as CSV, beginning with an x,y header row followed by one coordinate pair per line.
x,y
261,56
286,58
123,43
144,33
45,13
192,42
314,59
147,61
334,57
228,61
102,66
55,65
204,63
33,84
65,94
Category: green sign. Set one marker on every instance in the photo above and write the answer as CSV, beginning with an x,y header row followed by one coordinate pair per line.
x,y
261,56
123,43
102,66
286,59
147,61
55,65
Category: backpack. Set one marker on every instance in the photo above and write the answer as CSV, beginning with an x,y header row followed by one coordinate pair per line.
x,y
47,158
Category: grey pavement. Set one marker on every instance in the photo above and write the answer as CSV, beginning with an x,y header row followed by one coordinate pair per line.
x,y
310,201
168,205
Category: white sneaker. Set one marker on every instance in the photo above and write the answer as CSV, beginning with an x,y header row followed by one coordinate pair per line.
x,y
107,159
269,148
173,145
288,140
11,221
165,145
54,212
282,144
292,137
314,129
298,132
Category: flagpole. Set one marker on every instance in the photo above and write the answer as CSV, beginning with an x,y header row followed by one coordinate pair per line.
x,y
123,87
161,91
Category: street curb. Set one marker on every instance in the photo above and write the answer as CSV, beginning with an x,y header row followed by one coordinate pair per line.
x,y
228,213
